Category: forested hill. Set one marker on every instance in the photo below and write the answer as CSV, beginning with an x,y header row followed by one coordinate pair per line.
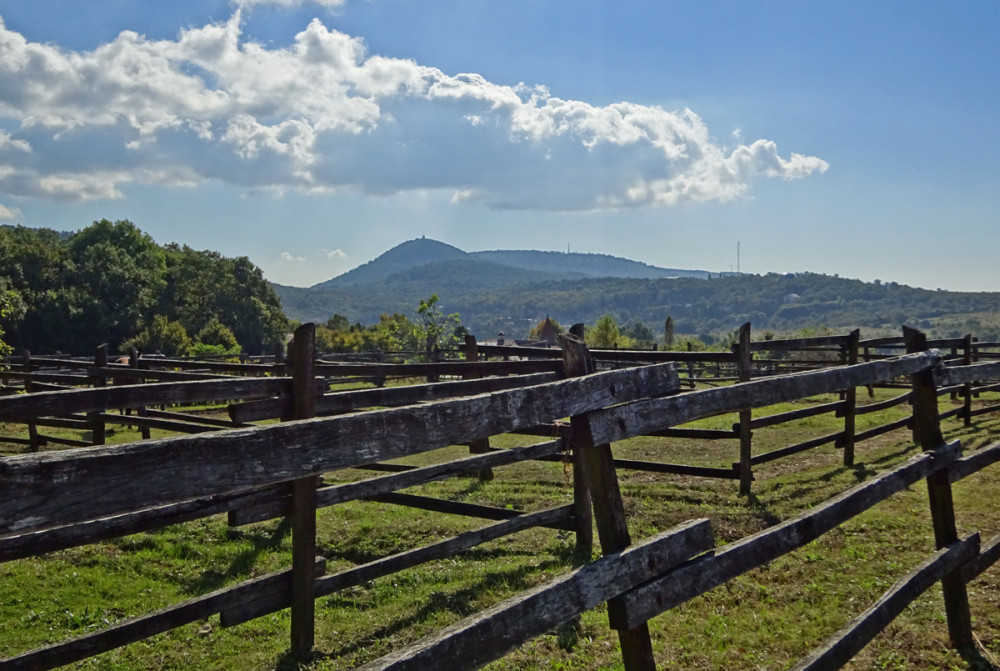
x,y
406,262
492,301
576,264
399,259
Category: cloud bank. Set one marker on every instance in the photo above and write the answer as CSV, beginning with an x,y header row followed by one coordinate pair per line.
x,y
323,115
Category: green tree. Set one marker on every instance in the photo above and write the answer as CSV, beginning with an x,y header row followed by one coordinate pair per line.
x,y
10,307
338,322
162,336
639,333
435,329
396,332
604,334
214,339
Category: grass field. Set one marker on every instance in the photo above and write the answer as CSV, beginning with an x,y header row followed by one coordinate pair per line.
x,y
766,619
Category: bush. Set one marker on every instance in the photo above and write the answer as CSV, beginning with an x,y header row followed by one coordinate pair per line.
x,y
162,336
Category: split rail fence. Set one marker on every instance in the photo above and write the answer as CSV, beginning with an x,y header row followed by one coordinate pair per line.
x,y
51,500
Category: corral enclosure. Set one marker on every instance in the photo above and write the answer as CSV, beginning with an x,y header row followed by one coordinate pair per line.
x,y
547,425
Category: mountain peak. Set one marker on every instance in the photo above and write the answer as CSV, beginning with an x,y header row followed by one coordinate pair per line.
x,y
402,257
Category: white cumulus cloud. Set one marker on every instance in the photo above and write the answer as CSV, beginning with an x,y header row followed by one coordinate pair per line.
x,y
323,115
338,254
9,212
290,258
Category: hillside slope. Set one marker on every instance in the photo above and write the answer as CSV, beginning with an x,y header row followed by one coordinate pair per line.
x,y
576,264
513,290
400,258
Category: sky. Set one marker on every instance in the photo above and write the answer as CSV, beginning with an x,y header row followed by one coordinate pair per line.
x,y
854,138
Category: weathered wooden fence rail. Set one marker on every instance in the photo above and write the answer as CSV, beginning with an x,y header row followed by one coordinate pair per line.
x,y
630,605
59,499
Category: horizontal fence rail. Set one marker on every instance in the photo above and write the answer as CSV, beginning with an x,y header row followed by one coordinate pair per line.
x,y
56,500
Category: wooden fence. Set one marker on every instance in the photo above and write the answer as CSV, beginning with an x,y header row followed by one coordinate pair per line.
x,y
746,361
50,500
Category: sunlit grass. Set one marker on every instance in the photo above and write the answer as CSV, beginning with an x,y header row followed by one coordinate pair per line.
x,y
766,619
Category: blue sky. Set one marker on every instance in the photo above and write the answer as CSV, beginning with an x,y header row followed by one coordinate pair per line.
x,y
854,138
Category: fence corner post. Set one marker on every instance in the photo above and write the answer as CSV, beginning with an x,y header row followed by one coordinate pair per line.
x,y
598,466
927,433
303,355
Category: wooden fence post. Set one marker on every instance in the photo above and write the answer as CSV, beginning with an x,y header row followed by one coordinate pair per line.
x,y
279,360
927,434
744,361
691,382
133,361
599,473
967,387
34,441
480,445
850,400
303,355
98,432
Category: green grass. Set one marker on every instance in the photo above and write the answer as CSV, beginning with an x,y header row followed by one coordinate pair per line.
x,y
766,619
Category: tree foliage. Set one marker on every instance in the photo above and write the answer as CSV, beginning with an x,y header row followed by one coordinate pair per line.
x,y
435,330
11,307
430,329
604,334
782,303
162,336
109,281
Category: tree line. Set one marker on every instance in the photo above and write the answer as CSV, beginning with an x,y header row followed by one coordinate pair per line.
x,y
112,283
783,303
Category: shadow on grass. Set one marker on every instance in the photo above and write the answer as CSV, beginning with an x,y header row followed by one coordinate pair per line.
x,y
761,511
461,602
974,658
243,562
979,435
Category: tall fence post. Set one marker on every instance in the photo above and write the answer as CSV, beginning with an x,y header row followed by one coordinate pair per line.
x,y
303,355
967,387
850,399
98,431
927,434
479,445
34,441
744,361
279,360
133,361
598,468
690,366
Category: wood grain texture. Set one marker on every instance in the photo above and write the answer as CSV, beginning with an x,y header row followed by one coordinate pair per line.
x,y
456,368
38,491
952,375
643,417
390,397
74,401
